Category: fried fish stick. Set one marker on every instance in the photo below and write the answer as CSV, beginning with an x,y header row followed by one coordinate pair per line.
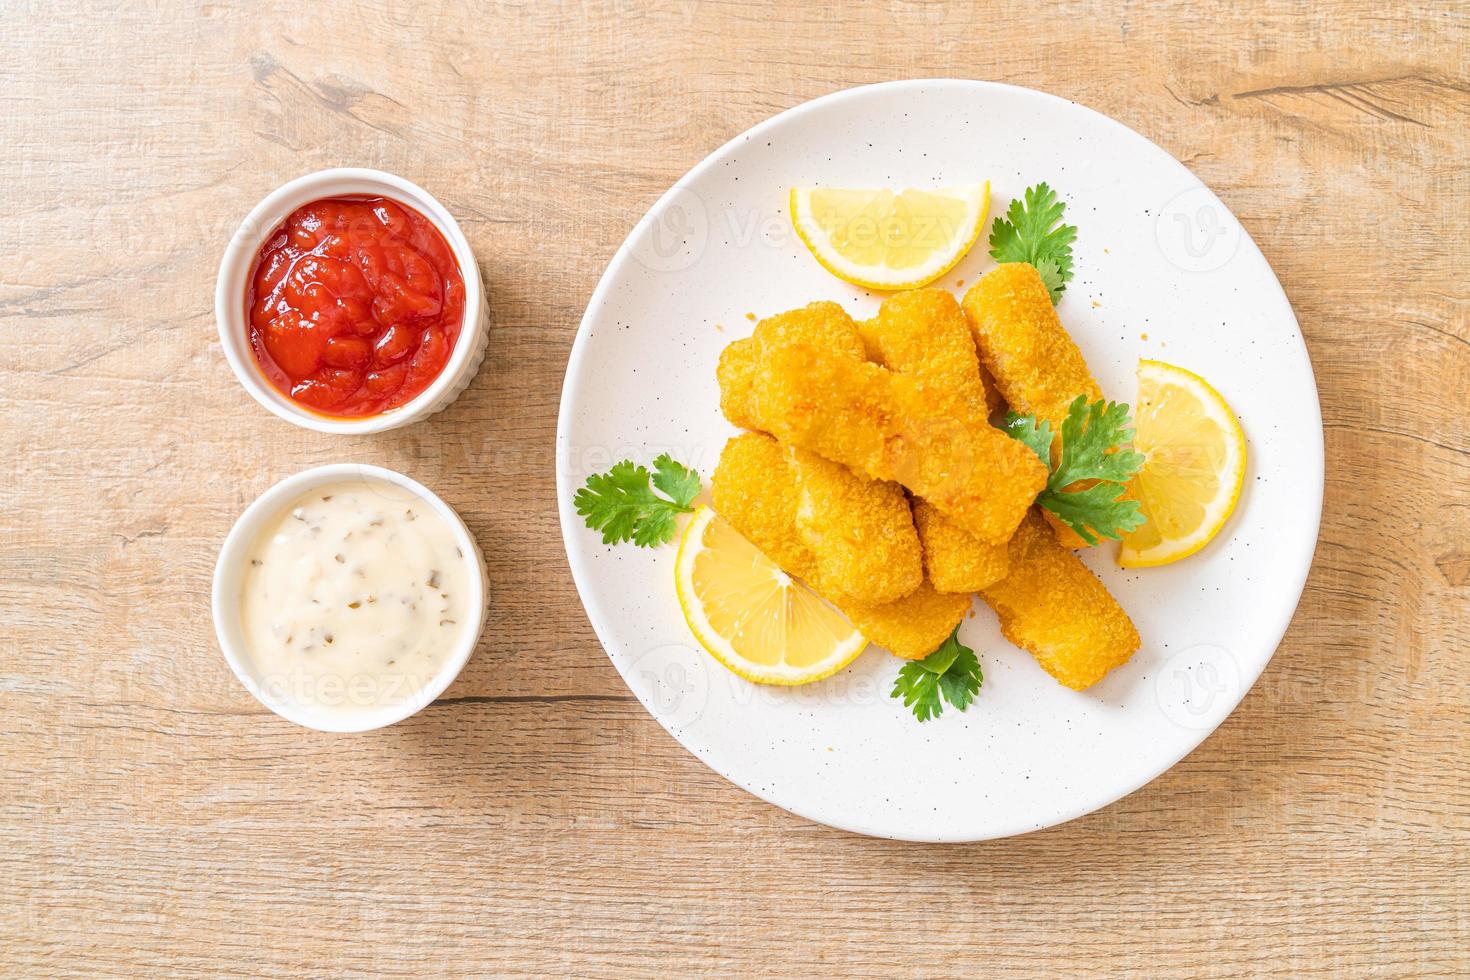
x,y
922,333
1053,607
755,490
886,426
1033,361
850,538
956,560
914,626
823,324
860,531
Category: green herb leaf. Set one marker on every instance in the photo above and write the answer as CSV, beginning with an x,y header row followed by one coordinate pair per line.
x,y
919,690
622,505
1090,433
961,682
1094,448
1034,432
676,480
1052,277
1030,232
1100,508
951,673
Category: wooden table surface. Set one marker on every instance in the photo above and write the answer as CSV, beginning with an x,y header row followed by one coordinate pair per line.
x,y
154,818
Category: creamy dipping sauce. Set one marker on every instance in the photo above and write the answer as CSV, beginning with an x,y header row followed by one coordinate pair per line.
x,y
355,597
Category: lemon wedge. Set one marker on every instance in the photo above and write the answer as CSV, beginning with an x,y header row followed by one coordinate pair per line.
x,y
1196,463
886,239
751,616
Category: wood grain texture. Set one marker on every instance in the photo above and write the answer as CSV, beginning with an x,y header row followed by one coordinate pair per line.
x,y
154,819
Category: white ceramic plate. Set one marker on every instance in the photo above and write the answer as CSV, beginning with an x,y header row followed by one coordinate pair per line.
x,y
1163,270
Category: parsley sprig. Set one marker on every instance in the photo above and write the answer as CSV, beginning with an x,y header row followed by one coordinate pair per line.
x,y
951,673
1030,232
621,504
1094,439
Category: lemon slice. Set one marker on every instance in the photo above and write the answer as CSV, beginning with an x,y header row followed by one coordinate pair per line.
x,y
751,616
1196,463
886,239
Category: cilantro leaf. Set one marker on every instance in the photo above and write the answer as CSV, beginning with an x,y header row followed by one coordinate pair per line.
x,y
1094,451
621,504
1035,433
1051,277
961,682
676,480
919,690
1030,232
1088,433
1100,508
951,673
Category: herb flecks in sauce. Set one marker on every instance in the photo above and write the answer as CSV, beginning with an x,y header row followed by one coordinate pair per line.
x,y
310,604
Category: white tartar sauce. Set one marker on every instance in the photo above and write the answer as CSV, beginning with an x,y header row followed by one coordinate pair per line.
x,y
355,597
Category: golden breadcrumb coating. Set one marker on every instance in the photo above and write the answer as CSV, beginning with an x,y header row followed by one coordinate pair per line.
x,y
850,538
1036,366
886,426
756,491
824,324
736,374
922,333
1053,607
993,402
860,531
955,559
914,626
1034,363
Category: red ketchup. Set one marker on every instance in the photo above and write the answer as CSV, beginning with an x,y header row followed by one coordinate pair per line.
x,y
355,305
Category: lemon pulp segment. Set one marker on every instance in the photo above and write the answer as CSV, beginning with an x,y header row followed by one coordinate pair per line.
x,y
751,616
1195,465
889,239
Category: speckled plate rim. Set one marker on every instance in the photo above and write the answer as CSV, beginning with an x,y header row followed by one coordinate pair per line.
x,y
571,521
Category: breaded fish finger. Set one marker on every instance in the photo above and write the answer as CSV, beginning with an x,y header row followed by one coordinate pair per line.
x,y
914,626
824,324
1053,607
819,521
922,333
1033,361
860,531
755,490
956,560
857,537
1030,356
887,427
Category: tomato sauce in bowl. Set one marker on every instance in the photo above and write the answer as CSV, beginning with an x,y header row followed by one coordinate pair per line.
x,y
354,306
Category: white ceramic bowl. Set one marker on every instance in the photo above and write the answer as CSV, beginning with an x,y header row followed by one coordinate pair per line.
x,y
239,258
225,599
